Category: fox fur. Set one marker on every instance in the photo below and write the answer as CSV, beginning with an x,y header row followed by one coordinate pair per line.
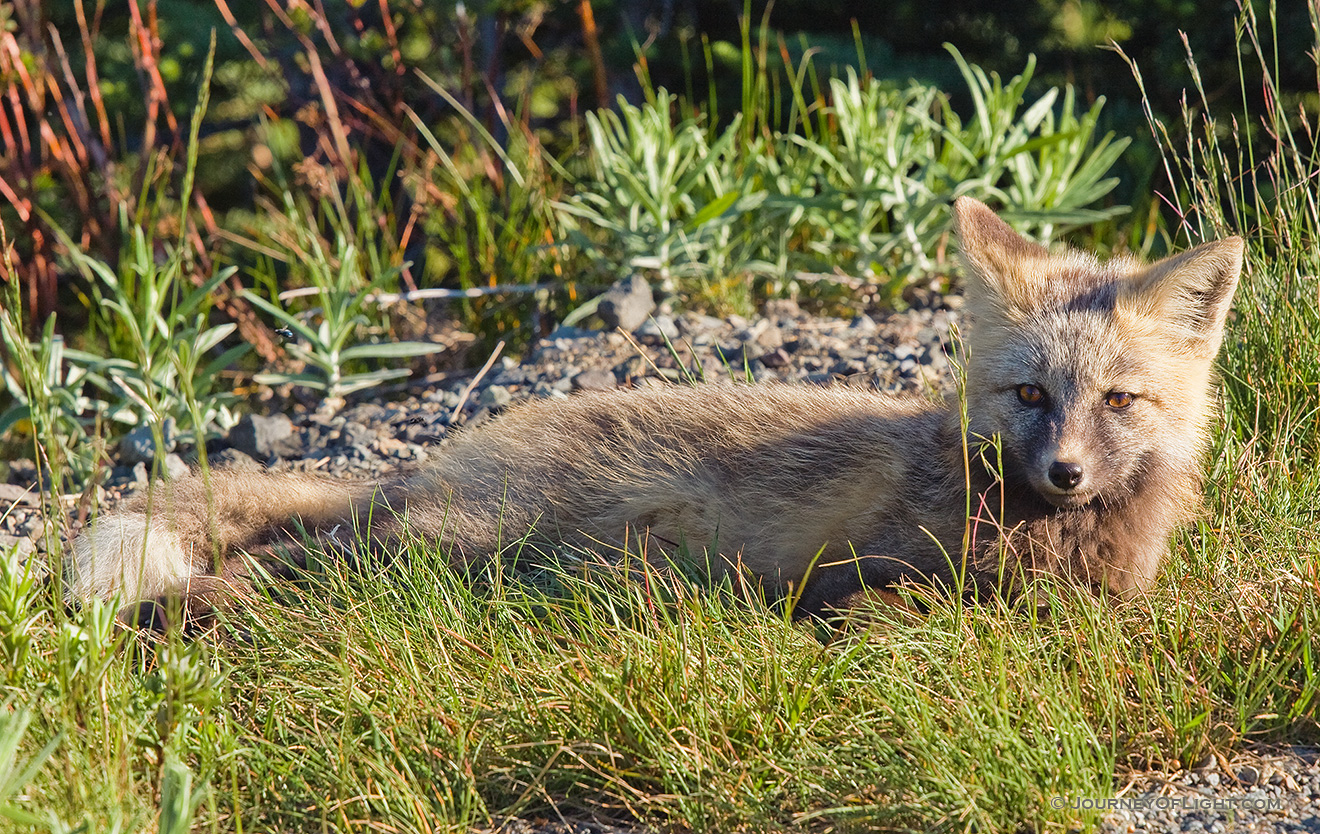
x,y
1089,391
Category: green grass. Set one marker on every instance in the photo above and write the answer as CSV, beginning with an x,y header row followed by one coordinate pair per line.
x,y
414,699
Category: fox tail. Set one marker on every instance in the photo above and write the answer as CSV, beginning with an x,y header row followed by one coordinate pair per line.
x,y
186,534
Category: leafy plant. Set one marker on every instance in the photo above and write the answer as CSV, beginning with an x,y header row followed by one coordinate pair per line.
x,y
19,614
46,386
161,341
342,291
862,190
1044,164
665,197
895,158
156,325
13,727
164,357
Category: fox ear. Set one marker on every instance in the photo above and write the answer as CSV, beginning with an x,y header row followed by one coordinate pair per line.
x,y
1000,262
1190,292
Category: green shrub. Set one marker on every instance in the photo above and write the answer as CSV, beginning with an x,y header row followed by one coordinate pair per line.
x,y
341,257
865,195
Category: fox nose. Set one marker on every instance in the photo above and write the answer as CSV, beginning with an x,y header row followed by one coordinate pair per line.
x,y
1065,475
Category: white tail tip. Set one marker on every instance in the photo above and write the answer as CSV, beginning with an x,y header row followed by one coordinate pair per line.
x,y
127,554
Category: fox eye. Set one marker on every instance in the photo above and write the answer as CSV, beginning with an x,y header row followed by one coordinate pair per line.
x,y
1118,399
1030,394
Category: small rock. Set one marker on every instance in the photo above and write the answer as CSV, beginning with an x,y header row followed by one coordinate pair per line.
x,y
366,412
739,356
660,327
627,304
510,376
390,445
353,435
863,324
594,379
564,333
495,397
1248,775
22,544
632,367
693,324
175,467
262,438
770,338
11,494
22,472
139,445
782,308
936,360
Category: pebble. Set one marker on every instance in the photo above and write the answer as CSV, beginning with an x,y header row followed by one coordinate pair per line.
x,y
496,396
627,304
1205,799
174,466
864,324
232,459
11,494
139,445
594,379
262,438
659,327
23,545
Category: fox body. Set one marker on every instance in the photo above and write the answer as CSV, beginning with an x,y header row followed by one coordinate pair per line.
x,y
1088,396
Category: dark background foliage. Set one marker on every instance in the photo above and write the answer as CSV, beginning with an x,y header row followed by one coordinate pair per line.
x,y
326,95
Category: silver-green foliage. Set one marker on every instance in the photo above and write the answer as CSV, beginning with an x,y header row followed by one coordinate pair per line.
x,y
158,330
866,195
46,388
328,333
899,156
664,197
163,357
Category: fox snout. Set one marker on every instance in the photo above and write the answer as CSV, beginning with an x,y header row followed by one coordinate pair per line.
x,y
1070,470
1065,474
1064,479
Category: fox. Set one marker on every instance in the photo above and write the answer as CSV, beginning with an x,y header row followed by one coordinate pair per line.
x,y
1073,451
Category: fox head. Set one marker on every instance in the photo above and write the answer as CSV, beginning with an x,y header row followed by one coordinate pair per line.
x,y
1096,377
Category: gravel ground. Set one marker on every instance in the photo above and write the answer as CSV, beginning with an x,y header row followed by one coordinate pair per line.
x,y
1260,790
1274,791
